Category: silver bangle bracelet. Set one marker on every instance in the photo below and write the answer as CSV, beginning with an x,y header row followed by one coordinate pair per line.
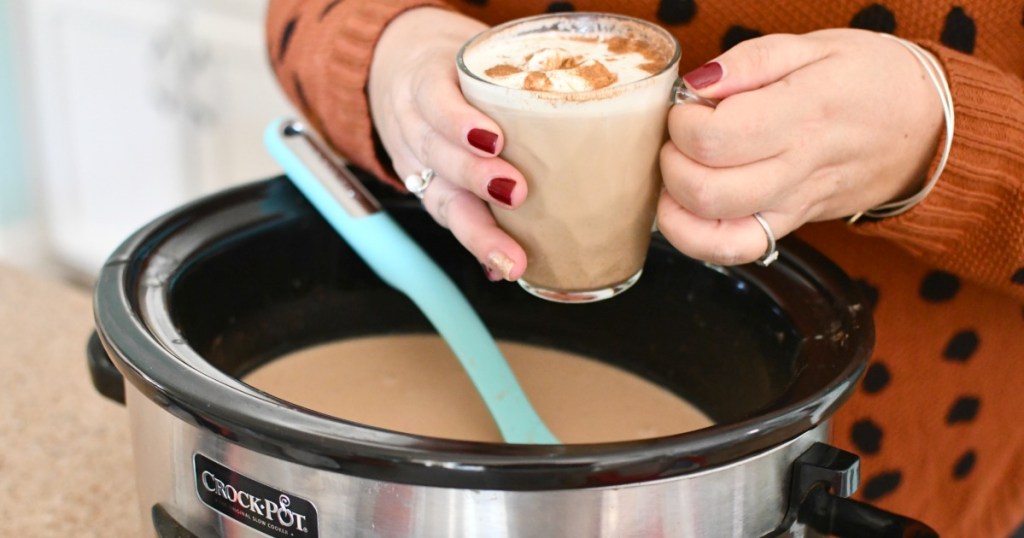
x,y
938,78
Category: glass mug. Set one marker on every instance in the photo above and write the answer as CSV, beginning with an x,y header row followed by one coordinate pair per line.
x,y
590,156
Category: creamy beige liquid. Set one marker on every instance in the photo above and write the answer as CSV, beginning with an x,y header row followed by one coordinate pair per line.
x,y
590,157
414,384
594,183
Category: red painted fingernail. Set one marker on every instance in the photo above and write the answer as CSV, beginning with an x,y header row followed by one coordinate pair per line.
x,y
704,76
500,188
483,140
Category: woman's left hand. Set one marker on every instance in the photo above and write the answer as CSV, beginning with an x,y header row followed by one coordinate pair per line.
x,y
810,127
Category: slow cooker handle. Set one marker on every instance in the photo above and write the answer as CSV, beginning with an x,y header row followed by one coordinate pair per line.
x,y
823,479
105,376
166,526
847,518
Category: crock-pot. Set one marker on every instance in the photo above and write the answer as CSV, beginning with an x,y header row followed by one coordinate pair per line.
x,y
196,299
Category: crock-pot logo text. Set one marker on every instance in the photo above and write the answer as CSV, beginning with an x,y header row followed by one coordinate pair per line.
x,y
261,507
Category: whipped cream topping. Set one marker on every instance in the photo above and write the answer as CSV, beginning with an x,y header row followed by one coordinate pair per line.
x,y
564,63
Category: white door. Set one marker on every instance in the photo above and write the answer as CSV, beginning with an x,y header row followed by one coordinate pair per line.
x,y
142,105
110,138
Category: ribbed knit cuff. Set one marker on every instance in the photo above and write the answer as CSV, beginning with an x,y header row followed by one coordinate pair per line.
x,y
973,215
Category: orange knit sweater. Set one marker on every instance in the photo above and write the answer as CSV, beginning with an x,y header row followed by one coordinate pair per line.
x,y
937,419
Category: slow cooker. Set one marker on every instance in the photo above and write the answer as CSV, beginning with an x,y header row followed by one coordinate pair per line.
x,y
206,293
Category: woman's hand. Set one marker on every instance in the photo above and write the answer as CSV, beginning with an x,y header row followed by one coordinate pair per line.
x,y
811,127
424,122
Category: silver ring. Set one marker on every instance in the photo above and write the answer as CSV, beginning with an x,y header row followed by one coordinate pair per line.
x,y
681,94
770,254
418,183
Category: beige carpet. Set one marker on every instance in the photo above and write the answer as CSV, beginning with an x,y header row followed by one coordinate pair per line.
x,y
65,456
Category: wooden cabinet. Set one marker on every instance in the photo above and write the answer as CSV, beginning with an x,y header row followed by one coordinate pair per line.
x,y
139,106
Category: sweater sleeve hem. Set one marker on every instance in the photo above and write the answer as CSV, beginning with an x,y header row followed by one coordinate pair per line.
x,y
972,222
332,50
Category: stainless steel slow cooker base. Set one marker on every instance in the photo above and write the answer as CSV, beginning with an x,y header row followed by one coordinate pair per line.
x,y
193,301
743,499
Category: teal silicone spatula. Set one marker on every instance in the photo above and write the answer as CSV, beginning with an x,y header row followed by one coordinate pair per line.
x,y
359,218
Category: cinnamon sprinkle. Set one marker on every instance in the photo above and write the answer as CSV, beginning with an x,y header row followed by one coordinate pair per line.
x,y
656,56
503,70
536,81
597,75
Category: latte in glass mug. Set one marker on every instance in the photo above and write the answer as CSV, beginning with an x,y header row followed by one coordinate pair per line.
x,y
582,100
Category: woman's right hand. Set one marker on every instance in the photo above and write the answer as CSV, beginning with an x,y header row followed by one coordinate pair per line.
x,y
424,122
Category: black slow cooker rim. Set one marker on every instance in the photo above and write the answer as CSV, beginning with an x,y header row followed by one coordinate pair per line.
x,y
270,426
